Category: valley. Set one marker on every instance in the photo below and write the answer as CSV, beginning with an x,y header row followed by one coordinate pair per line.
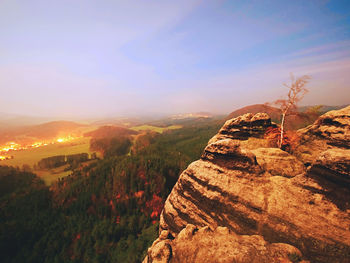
x,y
180,131
106,189
26,156
108,208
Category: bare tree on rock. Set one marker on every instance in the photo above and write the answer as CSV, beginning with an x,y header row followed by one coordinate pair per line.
x,y
296,91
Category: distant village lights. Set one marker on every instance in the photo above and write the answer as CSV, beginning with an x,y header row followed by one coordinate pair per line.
x,y
65,139
12,146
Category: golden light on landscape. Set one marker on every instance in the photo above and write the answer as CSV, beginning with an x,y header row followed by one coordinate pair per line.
x,y
175,131
10,146
13,146
38,144
66,139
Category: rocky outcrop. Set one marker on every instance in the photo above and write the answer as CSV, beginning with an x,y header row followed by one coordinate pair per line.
x,y
225,152
244,127
325,148
331,171
331,130
294,121
333,165
252,190
193,245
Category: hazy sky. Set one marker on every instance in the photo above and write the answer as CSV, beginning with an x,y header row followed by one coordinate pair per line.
x,y
93,58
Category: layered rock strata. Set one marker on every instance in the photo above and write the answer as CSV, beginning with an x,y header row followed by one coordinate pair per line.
x,y
331,130
244,127
264,191
193,245
325,148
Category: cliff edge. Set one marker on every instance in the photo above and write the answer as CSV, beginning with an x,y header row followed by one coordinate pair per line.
x,y
239,183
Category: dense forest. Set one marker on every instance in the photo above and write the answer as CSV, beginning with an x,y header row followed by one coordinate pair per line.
x,y
107,211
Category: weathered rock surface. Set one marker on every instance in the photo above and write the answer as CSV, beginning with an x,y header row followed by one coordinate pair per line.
x,y
331,130
333,165
225,152
193,245
278,162
267,192
244,127
331,170
325,148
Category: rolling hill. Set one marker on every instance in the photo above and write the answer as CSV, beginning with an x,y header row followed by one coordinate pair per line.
x,y
110,131
45,131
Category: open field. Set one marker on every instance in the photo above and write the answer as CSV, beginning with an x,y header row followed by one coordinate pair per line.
x,y
155,128
51,175
34,155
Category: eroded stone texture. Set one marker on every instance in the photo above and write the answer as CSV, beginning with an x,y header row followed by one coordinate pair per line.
x,y
193,245
262,191
325,148
278,162
244,127
225,153
331,130
334,165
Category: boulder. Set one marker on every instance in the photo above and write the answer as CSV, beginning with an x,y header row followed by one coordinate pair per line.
x,y
333,165
203,245
331,130
244,127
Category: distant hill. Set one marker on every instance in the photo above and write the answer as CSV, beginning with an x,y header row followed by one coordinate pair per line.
x,y
52,128
45,131
120,122
186,119
9,120
191,115
110,131
323,108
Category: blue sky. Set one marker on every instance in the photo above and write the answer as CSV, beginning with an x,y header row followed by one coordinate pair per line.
x,y
98,58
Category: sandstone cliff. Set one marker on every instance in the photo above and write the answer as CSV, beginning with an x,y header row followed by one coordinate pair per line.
x,y
220,245
241,184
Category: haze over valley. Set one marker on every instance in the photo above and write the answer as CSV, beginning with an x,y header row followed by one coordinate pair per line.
x,y
174,131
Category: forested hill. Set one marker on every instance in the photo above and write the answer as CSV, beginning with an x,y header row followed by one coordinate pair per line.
x,y
105,212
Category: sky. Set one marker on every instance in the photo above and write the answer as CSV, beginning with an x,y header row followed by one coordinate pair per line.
x,y
87,58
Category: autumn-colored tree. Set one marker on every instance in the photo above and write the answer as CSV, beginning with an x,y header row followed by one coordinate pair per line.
x,y
296,91
290,138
